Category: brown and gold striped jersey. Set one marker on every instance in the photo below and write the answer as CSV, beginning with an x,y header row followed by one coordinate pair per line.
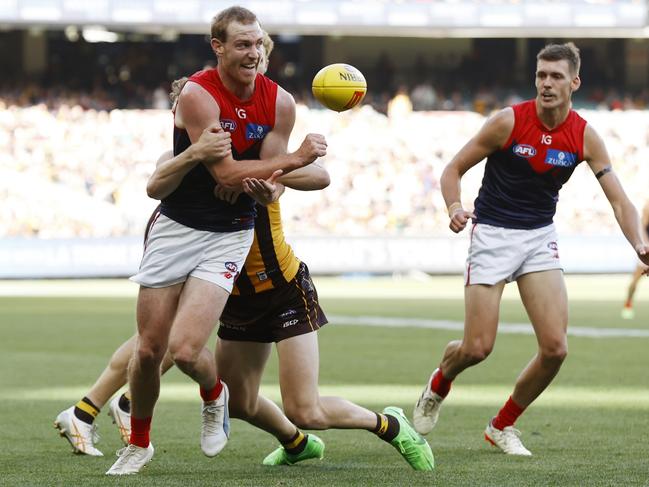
x,y
271,261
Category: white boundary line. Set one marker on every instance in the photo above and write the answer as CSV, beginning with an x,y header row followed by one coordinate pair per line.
x,y
510,328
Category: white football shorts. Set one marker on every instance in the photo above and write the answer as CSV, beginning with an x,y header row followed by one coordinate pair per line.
x,y
497,253
173,252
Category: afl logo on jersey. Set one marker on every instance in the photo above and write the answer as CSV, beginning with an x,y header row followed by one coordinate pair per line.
x,y
524,150
228,125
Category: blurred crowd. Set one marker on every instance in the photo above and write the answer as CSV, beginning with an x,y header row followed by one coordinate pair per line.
x,y
75,172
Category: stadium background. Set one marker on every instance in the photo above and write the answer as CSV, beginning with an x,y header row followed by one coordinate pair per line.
x,y
84,115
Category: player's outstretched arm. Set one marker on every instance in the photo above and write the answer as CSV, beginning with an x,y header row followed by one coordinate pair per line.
x,y
597,157
491,137
309,178
213,144
266,191
197,110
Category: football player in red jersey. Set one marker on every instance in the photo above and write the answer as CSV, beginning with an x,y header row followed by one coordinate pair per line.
x,y
627,311
531,149
198,244
251,321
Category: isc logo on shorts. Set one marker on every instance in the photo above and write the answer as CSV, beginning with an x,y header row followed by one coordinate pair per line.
x,y
286,324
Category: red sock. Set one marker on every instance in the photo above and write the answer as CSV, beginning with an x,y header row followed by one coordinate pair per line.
x,y
140,428
439,384
508,415
628,304
213,393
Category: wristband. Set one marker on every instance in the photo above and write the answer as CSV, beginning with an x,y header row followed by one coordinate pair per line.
x,y
454,206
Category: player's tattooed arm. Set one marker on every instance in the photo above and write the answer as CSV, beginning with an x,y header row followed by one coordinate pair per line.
x,y
597,157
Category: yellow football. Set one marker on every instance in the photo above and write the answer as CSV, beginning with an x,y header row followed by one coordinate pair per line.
x,y
339,86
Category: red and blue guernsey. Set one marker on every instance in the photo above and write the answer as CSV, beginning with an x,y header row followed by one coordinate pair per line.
x,y
193,203
521,182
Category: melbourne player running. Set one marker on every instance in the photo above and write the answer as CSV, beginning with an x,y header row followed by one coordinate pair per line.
x,y
531,150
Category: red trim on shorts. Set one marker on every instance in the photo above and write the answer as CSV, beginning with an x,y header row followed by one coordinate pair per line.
x,y
154,218
468,271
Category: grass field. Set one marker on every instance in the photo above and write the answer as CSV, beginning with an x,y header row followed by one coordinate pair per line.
x,y
589,429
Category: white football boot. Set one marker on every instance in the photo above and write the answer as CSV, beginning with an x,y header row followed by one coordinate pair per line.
x,y
426,412
131,460
121,419
82,436
215,427
507,439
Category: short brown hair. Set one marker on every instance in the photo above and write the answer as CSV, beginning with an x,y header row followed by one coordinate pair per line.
x,y
221,21
557,52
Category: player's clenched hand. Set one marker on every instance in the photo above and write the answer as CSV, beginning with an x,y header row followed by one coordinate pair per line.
x,y
459,219
313,146
213,145
264,191
228,195
643,254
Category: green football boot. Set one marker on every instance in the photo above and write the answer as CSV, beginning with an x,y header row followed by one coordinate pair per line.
x,y
412,446
314,449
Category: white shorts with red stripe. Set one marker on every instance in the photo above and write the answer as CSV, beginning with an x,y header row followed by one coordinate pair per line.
x,y
173,252
497,253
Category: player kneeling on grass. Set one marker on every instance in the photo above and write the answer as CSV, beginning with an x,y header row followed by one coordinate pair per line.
x,y
532,149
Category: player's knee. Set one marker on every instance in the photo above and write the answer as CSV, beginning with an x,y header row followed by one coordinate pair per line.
x,y
554,352
149,354
184,356
475,353
306,417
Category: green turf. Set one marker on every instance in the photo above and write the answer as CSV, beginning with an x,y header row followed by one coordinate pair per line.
x,y
590,429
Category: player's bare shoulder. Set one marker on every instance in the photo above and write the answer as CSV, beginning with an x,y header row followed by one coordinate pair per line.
x,y
500,125
595,152
496,130
195,102
285,103
284,111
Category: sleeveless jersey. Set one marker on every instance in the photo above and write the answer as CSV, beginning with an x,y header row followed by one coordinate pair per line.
x,y
193,203
271,262
521,182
